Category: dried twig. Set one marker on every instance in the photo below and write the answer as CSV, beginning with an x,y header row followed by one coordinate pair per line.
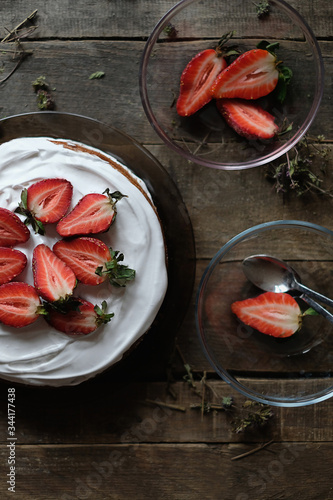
x,y
163,404
15,36
254,450
14,31
22,56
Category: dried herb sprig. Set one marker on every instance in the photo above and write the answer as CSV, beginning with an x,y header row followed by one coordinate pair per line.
x,y
258,416
45,100
296,174
170,31
206,406
262,9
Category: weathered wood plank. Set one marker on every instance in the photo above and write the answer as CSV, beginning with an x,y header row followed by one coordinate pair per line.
x,y
126,18
127,414
114,99
173,472
218,201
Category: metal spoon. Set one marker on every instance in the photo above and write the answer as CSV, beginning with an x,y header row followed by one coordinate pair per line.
x,y
273,275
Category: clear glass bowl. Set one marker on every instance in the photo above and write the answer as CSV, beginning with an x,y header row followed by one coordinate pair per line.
x,y
294,371
194,25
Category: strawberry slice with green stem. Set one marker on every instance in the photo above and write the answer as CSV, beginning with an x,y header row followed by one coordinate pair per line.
x,y
12,263
20,304
93,214
12,230
199,75
247,118
45,202
82,319
275,314
93,262
285,73
53,279
252,75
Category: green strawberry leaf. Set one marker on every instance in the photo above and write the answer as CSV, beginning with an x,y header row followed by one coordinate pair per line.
x,y
102,316
118,274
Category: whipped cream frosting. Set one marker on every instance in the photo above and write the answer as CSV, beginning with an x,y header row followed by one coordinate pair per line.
x,y
39,354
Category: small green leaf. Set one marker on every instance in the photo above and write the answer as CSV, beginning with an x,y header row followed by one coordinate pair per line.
x,y
24,198
97,75
270,47
310,312
102,316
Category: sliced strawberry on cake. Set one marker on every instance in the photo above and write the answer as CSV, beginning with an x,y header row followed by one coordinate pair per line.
x,y
20,304
82,319
247,118
252,75
45,202
93,214
275,314
12,263
93,262
12,230
53,279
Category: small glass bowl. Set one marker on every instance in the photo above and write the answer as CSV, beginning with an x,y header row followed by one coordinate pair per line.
x,y
293,371
195,25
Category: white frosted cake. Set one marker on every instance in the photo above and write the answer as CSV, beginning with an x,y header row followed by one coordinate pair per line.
x,y
38,354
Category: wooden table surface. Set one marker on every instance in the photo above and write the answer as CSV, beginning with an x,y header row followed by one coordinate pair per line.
x,y
111,437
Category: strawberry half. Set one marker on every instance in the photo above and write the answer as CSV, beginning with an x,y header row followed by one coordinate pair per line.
x,y
247,119
12,230
275,314
252,75
83,319
53,279
197,79
93,214
45,202
12,263
19,304
93,261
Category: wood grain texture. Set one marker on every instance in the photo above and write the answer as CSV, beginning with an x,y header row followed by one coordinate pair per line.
x,y
123,18
130,414
173,471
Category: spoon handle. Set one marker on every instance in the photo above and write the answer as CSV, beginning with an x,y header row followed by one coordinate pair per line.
x,y
314,295
317,307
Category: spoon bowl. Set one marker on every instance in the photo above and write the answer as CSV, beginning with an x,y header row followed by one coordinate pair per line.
x,y
274,275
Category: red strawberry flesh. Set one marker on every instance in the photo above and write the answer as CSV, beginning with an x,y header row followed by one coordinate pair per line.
x,y
275,314
74,322
12,230
84,255
247,118
196,81
48,200
93,214
82,320
12,263
53,279
19,304
252,75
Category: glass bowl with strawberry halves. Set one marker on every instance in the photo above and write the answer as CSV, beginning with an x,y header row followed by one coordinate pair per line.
x,y
231,85
262,334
